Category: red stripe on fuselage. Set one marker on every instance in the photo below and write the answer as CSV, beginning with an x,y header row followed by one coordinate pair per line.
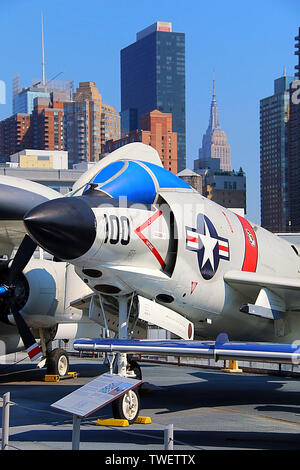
x,y
251,251
138,231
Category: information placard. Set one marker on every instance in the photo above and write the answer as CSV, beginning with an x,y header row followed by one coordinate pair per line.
x,y
96,394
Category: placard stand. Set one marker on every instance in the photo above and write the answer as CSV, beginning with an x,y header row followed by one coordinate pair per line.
x,y
93,396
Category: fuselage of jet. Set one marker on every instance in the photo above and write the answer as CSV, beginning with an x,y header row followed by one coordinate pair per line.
x,y
134,229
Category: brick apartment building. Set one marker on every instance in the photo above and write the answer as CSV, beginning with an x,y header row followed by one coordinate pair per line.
x,y
48,124
15,134
80,126
156,130
88,123
43,129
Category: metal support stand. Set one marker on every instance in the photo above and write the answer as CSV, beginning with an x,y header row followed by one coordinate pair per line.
x,y
104,316
76,432
111,358
5,421
233,367
169,437
123,325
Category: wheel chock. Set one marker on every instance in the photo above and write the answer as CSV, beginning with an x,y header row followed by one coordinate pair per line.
x,y
57,378
112,422
51,378
143,420
233,367
123,422
70,375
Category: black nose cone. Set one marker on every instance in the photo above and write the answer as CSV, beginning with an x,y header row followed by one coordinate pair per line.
x,y
64,227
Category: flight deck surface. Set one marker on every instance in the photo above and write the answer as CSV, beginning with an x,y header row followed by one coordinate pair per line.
x,y
209,410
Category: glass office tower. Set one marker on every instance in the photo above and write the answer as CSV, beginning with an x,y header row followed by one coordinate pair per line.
x,y
294,148
23,101
153,77
274,120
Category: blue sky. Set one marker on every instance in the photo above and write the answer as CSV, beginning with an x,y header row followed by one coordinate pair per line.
x,y
246,42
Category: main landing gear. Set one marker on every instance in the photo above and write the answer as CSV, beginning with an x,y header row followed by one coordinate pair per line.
x,y
128,405
56,360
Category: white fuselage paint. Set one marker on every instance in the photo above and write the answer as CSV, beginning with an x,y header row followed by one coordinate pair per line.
x,y
136,265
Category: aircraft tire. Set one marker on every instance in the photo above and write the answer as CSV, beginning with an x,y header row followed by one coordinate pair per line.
x,y
127,406
58,362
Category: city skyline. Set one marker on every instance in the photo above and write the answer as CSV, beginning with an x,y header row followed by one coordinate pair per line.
x,y
247,47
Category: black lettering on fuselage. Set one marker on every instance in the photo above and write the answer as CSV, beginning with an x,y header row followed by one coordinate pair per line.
x,y
117,229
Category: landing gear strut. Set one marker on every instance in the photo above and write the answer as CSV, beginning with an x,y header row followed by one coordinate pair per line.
x,y
56,360
128,405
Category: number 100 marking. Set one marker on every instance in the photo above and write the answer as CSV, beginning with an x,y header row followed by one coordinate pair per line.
x,y
117,229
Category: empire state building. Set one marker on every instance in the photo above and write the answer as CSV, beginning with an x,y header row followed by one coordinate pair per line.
x,y
214,142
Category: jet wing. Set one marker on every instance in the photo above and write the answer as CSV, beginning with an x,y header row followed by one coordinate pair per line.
x,y
18,196
221,349
286,289
239,279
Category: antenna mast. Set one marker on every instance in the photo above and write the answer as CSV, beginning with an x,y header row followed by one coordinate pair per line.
x,y
43,52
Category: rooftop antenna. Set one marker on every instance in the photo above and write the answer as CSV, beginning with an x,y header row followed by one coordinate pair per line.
x,y
43,52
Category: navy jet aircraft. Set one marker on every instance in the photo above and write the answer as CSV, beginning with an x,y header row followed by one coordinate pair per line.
x,y
137,233
36,293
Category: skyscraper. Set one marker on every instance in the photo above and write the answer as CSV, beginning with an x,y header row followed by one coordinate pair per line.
x,y
274,186
214,143
83,124
220,183
294,151
88,123
153,77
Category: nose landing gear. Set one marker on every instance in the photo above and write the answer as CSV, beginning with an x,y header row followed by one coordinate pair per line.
x,y
127,406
